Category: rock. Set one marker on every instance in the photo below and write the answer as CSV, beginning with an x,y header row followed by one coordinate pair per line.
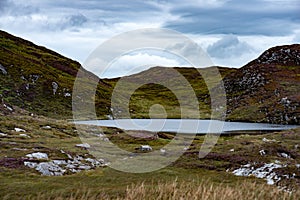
x,y
54,87
84,145
266,172
284,155
37,155
49,169
46,127
145,148
24,135
3,135
163,151
262,152
267,140
231,150
84,167
30,164
2,69
59,162
19,130
67,94
8,108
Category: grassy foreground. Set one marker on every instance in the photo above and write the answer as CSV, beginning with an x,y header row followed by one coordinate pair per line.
x,y
187,178
184,190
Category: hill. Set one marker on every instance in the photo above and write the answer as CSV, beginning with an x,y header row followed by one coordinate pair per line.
x,y
40,81
35,78
267,89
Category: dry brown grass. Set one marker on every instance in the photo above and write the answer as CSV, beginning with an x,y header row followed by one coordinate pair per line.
x,y
175,190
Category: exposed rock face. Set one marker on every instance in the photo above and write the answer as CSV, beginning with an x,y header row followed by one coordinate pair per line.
x,y
267,89
288,55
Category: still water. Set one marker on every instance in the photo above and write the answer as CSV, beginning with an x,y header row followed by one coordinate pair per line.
x,y
186,125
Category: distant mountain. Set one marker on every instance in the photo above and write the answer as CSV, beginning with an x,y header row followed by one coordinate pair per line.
x,y
40,81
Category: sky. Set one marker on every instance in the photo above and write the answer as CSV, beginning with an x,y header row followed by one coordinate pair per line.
x,y
232,32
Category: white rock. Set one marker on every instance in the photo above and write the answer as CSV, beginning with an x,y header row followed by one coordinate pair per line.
x,y
285,155
262,152
8,107
162,150
24,135
145,148
30,164
67,94
59,162
54,87
84,145
3,134
267,140
84,167
231,150
19,130
2,69
37,155
49,169
46,127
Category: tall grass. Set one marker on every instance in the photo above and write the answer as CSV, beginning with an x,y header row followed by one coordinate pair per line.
x,y
203,190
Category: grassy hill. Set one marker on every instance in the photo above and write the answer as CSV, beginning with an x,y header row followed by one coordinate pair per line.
x,y
41,81
35,78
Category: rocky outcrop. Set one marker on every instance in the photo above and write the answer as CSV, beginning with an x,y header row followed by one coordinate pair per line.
x,y
266,89
72,165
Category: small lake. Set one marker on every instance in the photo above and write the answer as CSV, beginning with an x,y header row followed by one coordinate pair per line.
x,y
187,125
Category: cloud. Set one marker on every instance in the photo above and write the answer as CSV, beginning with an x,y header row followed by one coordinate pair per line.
x,y
75,29
137,62
229,47
238,17
15,8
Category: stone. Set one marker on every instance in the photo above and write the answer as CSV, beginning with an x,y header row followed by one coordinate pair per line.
x,y
54,87
46,127
145,148
262,152
84,145
19,130
59,162
3,135
37,155
24,135
49,169
2,69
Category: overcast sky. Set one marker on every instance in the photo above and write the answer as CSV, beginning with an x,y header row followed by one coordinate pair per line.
x,y
233,32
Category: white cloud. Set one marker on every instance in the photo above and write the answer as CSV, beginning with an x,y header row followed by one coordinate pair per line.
x,y
137,62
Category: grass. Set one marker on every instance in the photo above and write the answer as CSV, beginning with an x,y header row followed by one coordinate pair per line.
x,y
173,189
189,175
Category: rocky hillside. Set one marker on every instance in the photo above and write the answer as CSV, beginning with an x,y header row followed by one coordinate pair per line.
x,y
40,81
35,78
267,89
